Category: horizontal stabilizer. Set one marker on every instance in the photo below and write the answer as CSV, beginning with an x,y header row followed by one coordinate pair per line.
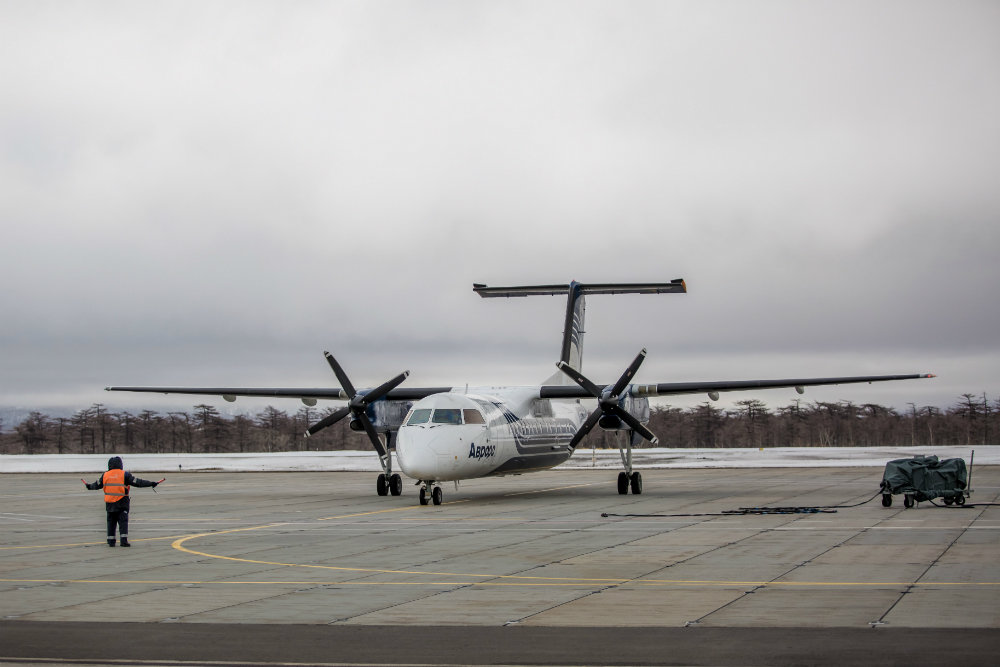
x,y
674,286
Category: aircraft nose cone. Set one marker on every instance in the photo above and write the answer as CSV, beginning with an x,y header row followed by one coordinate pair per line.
x,y
420,452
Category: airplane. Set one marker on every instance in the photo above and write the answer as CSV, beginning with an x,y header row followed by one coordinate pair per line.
x,y
442,434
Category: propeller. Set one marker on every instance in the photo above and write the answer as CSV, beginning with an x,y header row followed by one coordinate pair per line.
x,y
607,401
357,405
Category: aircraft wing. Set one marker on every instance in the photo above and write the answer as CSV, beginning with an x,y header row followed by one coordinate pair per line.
x,y
304,394
679,388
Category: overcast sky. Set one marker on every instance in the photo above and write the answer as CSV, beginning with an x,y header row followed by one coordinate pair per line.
x,y
214,193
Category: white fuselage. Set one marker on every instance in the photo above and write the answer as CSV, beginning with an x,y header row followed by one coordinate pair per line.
x,y
486,431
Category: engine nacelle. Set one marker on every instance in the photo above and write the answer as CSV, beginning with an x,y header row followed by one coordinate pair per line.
x,y
637,406
384,416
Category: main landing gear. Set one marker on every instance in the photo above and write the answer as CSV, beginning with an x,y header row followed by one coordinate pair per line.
x,y
430,489
629,479
388,482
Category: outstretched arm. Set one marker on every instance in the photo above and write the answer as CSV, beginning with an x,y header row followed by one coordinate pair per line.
x,y
99,484
132,480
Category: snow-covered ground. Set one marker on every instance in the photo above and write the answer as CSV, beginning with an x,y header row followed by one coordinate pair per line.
x,y
777,457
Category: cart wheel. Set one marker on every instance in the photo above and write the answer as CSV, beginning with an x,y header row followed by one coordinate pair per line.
x,y
907,500
960,499
886,500
948,500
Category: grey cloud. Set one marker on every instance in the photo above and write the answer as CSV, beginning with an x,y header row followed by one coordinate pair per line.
x,y
195,193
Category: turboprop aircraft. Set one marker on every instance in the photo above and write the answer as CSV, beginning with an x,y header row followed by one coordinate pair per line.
x,y
442,434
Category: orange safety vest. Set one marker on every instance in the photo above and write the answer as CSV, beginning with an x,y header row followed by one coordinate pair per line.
x,y
114,486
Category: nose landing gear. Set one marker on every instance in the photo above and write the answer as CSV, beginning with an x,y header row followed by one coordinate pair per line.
x,y
433,490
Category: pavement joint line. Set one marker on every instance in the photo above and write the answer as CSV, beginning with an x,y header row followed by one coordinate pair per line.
x,y
394,509
555,488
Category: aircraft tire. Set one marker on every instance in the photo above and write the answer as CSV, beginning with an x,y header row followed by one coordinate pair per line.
x,y
381,485
437,495
636,483
622,483
395,485
423,496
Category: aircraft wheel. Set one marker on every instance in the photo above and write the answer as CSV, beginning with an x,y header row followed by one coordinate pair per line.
x,y
437,495
381,485
960,499
622,483
636,483
948,500
395,485
907,500
423,496
886,500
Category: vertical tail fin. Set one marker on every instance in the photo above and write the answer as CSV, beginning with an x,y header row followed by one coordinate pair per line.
x,y
572,344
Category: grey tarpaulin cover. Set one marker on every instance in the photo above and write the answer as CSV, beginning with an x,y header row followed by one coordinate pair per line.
x,y
925,477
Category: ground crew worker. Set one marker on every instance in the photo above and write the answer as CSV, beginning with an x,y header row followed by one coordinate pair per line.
x,y
116,483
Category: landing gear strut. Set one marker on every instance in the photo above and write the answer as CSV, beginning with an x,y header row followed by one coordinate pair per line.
x,y
629,479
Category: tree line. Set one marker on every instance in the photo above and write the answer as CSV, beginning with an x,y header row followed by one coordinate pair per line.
x,y
973,420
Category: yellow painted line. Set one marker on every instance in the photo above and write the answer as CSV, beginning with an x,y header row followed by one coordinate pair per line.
x,y
563,584
179,545
90,544
510,579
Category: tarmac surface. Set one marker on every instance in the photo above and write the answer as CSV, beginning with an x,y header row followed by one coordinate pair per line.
x,y
314,568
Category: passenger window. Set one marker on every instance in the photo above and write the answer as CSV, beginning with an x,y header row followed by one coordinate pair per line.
x,y
447,416
473,416
418,417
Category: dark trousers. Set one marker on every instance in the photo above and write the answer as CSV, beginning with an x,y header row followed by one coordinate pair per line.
x,y
117,518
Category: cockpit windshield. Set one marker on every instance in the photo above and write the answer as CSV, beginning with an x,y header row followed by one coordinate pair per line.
x,y
445,416
419,417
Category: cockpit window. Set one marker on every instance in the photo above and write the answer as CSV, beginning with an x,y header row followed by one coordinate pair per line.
x,y
473,416
447,416
418,417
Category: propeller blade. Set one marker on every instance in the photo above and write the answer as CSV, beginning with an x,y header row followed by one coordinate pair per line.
x,y
385,388
578,377
372,433
628,374
329,420
345,383
585,429
635,424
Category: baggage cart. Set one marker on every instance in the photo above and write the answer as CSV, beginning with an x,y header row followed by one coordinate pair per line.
x,y
925,478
